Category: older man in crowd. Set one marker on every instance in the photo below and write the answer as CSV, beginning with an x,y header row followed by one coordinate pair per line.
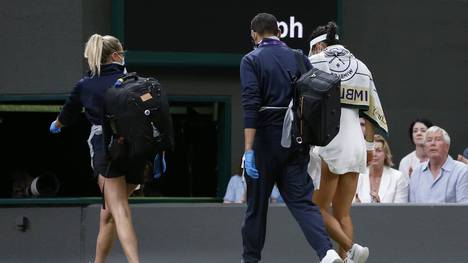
x,y
442,179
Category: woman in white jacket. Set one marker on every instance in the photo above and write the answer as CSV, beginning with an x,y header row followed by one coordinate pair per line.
x,y
381,183
417,130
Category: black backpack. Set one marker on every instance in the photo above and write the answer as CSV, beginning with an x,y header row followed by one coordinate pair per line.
x,y
137,122
316,105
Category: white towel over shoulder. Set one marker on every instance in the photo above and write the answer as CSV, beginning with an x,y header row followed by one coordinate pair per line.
x,y
357,85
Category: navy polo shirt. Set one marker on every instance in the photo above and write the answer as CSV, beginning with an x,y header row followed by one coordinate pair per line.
x,y
89,93
266,75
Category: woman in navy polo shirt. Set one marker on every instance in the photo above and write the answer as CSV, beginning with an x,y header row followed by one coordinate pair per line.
x,y
106,62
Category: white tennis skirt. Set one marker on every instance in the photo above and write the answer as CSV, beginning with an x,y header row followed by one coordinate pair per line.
x,y
347,151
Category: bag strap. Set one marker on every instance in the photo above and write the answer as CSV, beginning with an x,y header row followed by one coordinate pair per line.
x,y
131,75
126,77
300,60
302,69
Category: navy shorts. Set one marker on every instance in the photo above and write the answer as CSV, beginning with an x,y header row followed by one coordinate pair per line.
x,y
133,172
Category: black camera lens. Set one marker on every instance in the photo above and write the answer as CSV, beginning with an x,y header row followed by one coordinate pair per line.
x,y
45,185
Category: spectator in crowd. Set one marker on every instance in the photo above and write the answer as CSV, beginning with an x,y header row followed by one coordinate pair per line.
x,y
441,179
275,197
382,183
21,183
362,122
463,158
416,132
369,154
236,191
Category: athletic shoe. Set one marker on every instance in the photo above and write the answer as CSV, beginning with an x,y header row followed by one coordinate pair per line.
x,y
331,257
357,254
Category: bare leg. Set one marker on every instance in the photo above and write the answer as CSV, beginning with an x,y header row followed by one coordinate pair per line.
x,y
107,231
115,192
106,237
324,198
342,204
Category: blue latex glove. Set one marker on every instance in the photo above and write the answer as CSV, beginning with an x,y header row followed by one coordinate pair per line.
x,y
118,83
53,127
157,166
249,164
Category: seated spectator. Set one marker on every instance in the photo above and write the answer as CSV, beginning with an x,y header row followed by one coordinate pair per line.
x,y
21,183
362,123
416,133
441,179
463,158
236,189
381,183
275,197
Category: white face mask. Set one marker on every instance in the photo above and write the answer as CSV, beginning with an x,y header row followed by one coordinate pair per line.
x,y
121,55
122,63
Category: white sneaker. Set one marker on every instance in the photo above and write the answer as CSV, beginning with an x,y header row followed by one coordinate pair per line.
x,y
331,257
357,254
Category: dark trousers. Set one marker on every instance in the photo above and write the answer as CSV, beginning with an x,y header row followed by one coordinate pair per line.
x,y
288,168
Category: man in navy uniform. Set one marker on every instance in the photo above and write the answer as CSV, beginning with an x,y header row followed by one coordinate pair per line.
x,y
265,75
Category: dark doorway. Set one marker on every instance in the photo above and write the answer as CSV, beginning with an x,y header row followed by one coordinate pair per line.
x,y
192,167
28,148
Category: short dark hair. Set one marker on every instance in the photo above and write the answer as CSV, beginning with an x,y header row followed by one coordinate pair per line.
x,y
424,121
330,30
264,23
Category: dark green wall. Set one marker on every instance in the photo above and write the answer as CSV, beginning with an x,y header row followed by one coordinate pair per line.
x,y
417,52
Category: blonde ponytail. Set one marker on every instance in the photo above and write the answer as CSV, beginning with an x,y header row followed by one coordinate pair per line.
x,y
98,51
93,53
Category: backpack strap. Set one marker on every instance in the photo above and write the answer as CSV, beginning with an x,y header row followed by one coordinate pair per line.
x,y
300,60
298,55
131,75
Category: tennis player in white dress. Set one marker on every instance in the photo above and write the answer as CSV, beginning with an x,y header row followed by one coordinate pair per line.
x,y
346,155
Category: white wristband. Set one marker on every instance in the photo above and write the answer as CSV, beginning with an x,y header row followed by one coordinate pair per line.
x,y
369,146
